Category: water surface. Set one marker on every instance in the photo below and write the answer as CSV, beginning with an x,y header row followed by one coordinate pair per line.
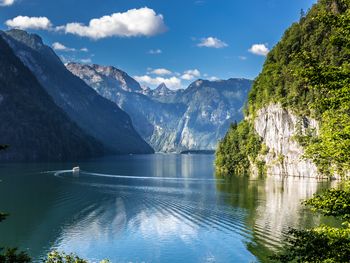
x,y
156,208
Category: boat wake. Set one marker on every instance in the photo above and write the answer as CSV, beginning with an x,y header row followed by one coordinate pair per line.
x,y
62,172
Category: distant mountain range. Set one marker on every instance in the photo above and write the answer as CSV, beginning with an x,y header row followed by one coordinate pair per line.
x,y
171,121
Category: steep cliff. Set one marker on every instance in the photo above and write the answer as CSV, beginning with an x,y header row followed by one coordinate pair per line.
x,y
278,129
95,115
34,127
298,115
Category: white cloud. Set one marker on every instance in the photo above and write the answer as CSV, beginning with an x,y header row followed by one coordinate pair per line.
x,y
212,42
155,51
60,47
171,83
72,58
161,71
213,78
191,74
259,49
134,22
6,2
86,60
25,22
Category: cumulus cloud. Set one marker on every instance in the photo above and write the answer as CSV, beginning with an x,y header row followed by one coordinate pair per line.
x,y
86,60
134,22
155,51
26,22
6,2
172,82
212,42
191,74
161,71
259,49
60,47
72,58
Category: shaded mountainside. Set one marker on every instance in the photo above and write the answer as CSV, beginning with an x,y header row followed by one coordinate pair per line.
x,y
97,116
172,121
301,98
31,123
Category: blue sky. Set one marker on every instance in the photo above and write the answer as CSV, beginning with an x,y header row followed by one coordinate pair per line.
x,y
160,40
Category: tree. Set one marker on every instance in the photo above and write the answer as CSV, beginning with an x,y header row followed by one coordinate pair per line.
x,y
12,255
302,14
322,243
61,257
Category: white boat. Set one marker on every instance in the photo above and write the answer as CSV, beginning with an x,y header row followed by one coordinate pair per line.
x,y
76,169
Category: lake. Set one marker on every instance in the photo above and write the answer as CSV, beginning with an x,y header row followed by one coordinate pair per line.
x,y
155,208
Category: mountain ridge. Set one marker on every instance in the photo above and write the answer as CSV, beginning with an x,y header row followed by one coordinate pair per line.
x,y
33,126
172,121
83,104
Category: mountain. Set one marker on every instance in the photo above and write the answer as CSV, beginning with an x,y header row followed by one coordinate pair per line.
x,y
94,114
162,91
172,121
31,123
298,118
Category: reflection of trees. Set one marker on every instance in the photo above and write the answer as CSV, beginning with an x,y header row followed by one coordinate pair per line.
x,y
273,205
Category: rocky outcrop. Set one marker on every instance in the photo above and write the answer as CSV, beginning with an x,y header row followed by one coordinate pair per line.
x,y
278,128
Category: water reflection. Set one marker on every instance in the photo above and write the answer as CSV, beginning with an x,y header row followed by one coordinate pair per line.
x,y
274,205
127,219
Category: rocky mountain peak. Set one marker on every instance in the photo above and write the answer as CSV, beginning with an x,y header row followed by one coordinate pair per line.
x,y
104,76
31,40
162,89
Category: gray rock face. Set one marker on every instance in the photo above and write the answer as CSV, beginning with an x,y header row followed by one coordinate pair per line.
x,y
92,112
102,76
172,121
31,123
277,126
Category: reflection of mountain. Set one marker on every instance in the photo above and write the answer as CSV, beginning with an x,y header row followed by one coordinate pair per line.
x,y
124,220
274,205
191,119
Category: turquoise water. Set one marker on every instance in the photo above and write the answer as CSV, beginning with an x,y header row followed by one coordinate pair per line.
x,y
156,208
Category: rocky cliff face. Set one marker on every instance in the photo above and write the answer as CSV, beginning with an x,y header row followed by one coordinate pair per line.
x,y
171,121
278,128
31,123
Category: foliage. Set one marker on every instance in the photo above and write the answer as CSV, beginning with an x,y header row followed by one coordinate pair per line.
x,y
3,216
308,72
57,257
233,151
323,243
3,147
332,202
12,255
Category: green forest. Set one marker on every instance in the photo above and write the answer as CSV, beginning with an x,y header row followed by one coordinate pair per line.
x,y
308,73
